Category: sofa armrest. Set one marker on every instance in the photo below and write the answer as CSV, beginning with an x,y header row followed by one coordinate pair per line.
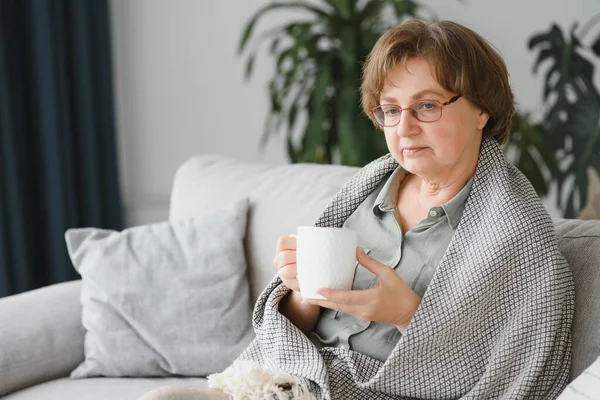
x,y
41,335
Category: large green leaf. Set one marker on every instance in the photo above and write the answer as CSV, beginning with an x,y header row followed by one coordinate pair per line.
x,y
583,117
554,37
582,128
596,46
249,66
572,114
287,5
313,141
568,69
348,100
343,9
276,34
371,10
528,145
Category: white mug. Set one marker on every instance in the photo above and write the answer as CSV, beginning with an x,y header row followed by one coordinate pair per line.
x,y
325,258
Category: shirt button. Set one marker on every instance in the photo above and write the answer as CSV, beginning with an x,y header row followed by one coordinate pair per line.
x,y
433,213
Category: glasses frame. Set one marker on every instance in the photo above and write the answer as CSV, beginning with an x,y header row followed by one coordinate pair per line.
x,y
414,114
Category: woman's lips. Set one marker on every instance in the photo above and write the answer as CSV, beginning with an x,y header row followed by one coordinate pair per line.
x,y
408,151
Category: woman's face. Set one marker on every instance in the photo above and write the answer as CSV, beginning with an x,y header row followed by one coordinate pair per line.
x,y
431,150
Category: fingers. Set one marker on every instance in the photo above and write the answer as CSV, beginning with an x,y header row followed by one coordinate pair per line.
x,y
288,271
292,284
371,264
285,257
288,275
286,243
285,262
347,298
357,310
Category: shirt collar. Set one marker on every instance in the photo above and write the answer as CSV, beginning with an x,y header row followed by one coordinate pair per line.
x,y
388,198
455,206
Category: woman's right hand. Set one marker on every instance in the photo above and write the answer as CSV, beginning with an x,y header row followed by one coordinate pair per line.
x,y
285,261
299,311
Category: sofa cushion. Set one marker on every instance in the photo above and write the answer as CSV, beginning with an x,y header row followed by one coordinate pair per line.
x,y
99,388
579,242
41,335
169,298
586,386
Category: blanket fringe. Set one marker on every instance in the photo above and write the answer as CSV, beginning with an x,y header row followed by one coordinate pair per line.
x,y
247,380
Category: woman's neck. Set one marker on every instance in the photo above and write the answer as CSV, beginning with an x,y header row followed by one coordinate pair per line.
x,y
435,192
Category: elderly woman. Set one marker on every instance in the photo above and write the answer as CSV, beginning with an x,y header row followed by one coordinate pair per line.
x,y
463,293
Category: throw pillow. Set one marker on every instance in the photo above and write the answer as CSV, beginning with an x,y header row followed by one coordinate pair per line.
x,y
169,298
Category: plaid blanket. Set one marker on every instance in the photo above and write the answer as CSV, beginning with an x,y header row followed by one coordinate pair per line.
x,y
494,323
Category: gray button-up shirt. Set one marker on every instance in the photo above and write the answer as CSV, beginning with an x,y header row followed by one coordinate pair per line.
x,y
414,256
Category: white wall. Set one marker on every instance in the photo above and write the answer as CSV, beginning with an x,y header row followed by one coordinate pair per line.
x,y
176,72
176,67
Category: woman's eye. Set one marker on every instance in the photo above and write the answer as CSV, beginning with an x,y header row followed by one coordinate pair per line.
x,y
426,106
391,111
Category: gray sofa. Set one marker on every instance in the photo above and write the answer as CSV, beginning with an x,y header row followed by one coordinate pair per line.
x,y
41,335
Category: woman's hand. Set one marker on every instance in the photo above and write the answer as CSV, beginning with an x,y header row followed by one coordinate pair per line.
x,y
391,301
285,261
300,313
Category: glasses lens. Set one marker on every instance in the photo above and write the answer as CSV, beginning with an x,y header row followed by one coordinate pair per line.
x,y
427,111
387,115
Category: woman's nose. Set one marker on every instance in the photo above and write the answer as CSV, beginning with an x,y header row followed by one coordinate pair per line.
x,y
408,125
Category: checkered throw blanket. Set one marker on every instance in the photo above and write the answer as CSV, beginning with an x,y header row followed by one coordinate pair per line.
x,y
494,323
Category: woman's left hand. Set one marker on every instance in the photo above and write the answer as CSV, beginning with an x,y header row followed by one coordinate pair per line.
x,y
391,301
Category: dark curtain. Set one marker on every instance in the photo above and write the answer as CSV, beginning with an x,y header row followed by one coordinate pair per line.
x,y
58,160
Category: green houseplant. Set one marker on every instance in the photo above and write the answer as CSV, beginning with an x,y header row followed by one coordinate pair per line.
x,y
317,76
562,146
314,93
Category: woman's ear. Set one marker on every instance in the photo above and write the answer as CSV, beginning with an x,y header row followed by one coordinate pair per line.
x,y
482,119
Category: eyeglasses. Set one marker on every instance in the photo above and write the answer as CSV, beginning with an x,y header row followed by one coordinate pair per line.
x,y
387,115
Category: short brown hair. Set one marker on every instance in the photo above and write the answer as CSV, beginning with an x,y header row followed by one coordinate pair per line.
x,y
463,62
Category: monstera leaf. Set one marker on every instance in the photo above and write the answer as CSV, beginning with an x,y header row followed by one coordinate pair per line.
x,y
570,126
583,150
